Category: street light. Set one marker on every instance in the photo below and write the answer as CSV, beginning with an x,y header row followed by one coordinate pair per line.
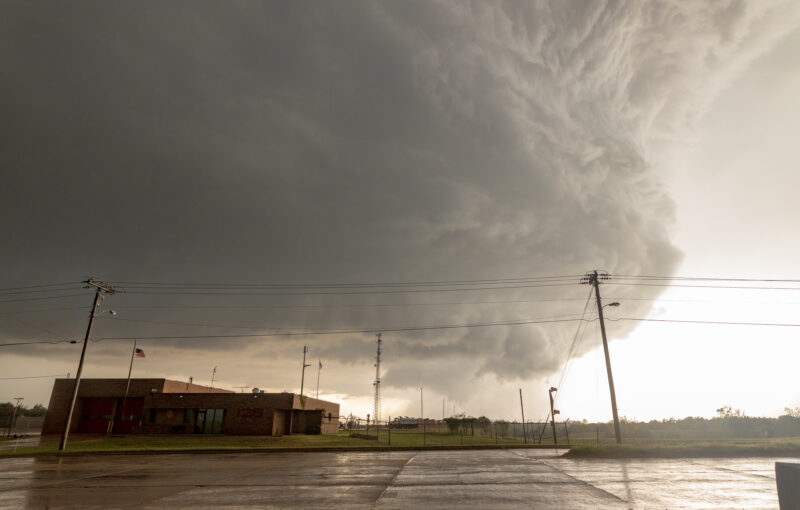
x,y
14,417
615,303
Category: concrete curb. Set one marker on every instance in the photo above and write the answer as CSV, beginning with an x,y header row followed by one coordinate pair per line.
x,y
289,450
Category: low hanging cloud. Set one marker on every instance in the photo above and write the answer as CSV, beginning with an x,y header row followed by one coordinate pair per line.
x,y
352,142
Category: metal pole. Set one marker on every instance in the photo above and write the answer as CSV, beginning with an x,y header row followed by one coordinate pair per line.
x,y
594,280
524,433
14,416
68,422
127,387
319,369
303,376
422,414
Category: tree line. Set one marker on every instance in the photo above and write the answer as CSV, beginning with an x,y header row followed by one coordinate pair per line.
x,y
7,409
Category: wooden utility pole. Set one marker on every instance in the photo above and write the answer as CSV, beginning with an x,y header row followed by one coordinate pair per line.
x,y
100,288
422,414
303,376
524,433
594,279
376,404
553,413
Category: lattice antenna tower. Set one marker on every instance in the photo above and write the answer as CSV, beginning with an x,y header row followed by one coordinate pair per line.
x,y
376,408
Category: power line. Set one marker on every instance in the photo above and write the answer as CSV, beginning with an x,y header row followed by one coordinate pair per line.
x,y
742,287
52,342
723,323
19,312
338,293
40,286
33,377
576,340
38,291
41,298
349,284
33,326
409,328
706,278
343,331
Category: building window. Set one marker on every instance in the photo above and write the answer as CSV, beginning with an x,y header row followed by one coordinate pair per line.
x,y
209,421
187,416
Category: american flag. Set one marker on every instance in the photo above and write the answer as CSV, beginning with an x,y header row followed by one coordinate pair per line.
x,y
138,353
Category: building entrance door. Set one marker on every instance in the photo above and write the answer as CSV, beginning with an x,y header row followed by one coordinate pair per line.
x,y
209,421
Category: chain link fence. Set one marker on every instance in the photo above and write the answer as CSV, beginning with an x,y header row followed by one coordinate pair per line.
x,y
459,431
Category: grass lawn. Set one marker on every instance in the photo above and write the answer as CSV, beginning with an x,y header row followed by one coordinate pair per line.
x,y
580,448
665,448
144,443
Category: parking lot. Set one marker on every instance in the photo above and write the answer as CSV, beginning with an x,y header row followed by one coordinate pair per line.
x,y
407,479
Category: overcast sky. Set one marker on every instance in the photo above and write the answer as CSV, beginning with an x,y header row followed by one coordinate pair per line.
x,y
352,142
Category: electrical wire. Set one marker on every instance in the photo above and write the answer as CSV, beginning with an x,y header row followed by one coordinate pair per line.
x,y
723,323
32,377
20,312
343,331
339,293
52,342
705,278
40,286
344,285
742,287
17,300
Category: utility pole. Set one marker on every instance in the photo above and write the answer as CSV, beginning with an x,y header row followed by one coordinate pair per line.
x,y
213,375
14,417
303,376
422,415
594,279
376,406
100,288
553,413
524,433
319,369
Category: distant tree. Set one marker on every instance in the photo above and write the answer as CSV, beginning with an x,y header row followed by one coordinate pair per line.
x,y
729,412
35,411
794,412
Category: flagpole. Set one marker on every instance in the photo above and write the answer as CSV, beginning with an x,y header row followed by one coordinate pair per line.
x,y
319,367
127,386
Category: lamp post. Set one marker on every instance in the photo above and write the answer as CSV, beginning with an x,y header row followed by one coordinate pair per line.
x,y
14,416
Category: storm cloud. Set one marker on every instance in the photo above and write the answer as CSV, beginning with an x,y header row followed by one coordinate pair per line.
x,y
354,142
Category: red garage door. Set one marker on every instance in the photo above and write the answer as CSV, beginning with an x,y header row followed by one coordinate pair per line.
x,y
133,415
95,415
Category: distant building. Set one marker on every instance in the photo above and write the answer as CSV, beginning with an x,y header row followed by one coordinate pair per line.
x,y
162,406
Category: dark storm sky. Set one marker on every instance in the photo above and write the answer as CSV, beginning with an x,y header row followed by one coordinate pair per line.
x,y
348,142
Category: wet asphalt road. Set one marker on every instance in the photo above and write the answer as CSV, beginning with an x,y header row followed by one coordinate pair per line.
x,y
432,479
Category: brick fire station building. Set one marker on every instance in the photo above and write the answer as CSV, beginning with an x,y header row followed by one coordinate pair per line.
x,y
161,406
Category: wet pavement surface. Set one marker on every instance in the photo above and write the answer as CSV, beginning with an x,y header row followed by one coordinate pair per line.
x,y
431,479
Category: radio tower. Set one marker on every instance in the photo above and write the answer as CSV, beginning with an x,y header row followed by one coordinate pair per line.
x,y
376,409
